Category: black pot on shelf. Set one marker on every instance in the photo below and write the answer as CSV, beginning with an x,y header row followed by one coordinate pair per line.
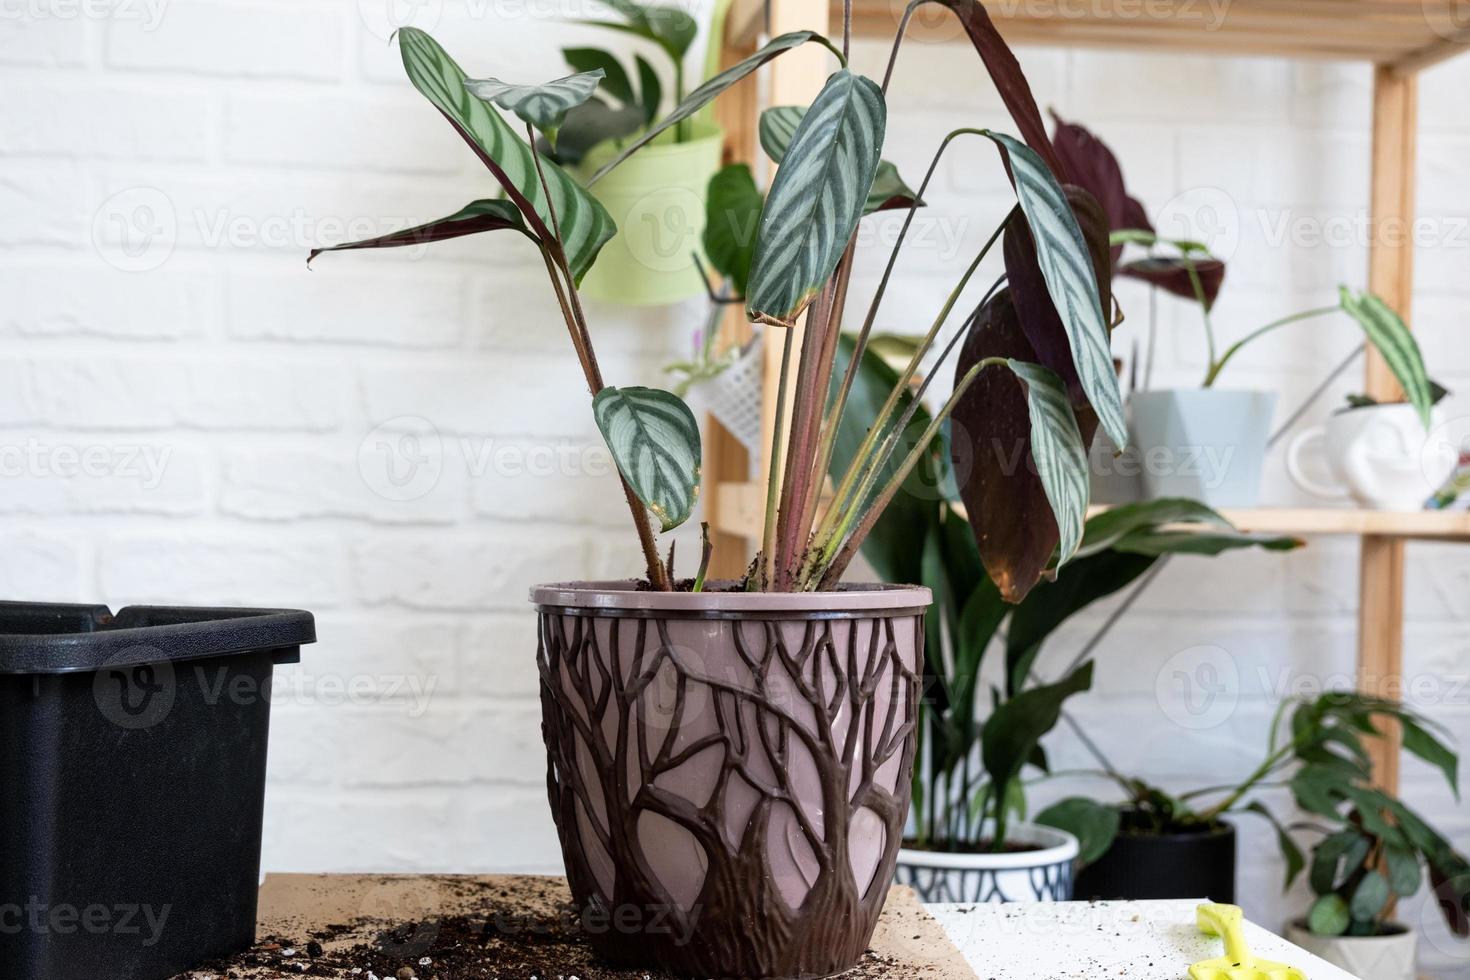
x,y
1143,865
132,761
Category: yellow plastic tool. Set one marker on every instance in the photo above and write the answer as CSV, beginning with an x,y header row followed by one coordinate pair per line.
x,y
1238,963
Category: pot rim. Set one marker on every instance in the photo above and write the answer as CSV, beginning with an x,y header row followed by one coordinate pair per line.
x,y
1401,931
623,595
1059,846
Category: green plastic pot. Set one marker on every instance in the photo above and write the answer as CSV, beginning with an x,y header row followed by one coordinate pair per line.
x,y
657,197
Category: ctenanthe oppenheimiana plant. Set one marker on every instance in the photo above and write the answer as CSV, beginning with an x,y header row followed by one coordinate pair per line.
x,y
1033,370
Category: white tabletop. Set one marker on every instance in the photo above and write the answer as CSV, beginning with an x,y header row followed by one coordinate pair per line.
x,y
1100,941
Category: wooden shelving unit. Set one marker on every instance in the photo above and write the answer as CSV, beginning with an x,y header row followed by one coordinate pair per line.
x,y
1399,38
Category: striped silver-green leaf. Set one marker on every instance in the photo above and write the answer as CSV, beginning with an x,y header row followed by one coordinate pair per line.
x,y
1056,446
777,126
655,442
817,197
711,90
585,224
1066,265
543,106
1391,336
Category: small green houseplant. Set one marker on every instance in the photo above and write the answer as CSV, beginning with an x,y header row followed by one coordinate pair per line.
x,y
656,197
1209,443
1316,750
690,725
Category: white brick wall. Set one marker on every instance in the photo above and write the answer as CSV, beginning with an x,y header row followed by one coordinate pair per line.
x,y
166,164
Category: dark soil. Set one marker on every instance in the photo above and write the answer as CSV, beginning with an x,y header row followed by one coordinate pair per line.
x,y
497,940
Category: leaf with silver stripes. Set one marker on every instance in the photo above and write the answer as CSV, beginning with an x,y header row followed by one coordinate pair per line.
x,y
655,441
777,126
1056,446
1391,337
585,224
1066,265
712,89
817,197
543,106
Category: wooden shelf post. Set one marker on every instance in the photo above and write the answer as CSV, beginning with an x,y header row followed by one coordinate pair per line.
x,y
1391,276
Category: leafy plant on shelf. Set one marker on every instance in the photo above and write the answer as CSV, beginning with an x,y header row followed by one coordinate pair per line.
x,y
635,95
1371,844
1186,269
1034,376
976,746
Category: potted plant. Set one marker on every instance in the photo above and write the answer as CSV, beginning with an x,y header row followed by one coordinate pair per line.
x,y
969,839
1379,455
656,198
1158,845
1373,850
730,762
1209,443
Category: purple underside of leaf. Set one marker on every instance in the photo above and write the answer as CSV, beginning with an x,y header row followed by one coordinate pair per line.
x,y
427,234
898,202
1010,81
991,449
1094,168
1171,274
1035,308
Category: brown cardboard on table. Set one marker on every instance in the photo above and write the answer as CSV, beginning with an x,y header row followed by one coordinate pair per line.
x,y
354,909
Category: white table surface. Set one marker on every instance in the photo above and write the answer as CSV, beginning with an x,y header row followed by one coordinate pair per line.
x,y
1100,941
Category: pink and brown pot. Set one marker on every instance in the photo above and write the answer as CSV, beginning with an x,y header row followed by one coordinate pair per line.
x,y
729,772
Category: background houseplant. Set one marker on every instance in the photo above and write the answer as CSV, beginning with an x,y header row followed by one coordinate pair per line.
x,y
657,197
1316,749
1209,443
968,790
1043,374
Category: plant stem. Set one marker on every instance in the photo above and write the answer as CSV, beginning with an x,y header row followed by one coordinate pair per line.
x,y
834,571
773,478
858,470
1217,366
582,341
1204,307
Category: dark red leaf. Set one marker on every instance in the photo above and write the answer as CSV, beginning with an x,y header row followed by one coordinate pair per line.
x,y
480,216
990,444
1034,307
1171,273
1094,168
1009,80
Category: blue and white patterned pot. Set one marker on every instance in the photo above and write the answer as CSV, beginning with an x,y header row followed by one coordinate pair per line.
x,y
1043,874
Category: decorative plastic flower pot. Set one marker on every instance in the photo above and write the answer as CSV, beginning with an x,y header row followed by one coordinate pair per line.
x,y
729,772
1145,866
657,197
1037,868
132,755
1206,444
1388,957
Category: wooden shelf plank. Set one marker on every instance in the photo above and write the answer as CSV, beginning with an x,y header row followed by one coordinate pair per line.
x,y
741,506
1408,34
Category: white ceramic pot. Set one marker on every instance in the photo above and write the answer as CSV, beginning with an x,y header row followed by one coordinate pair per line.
x,y
1380,457
1388,957
1206,444
1040,875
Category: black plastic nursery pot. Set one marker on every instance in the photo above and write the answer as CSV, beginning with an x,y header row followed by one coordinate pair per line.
x,y
1200,864
132,784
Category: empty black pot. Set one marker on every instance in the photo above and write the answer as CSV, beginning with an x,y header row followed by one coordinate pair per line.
x,y
132,784
1141,865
